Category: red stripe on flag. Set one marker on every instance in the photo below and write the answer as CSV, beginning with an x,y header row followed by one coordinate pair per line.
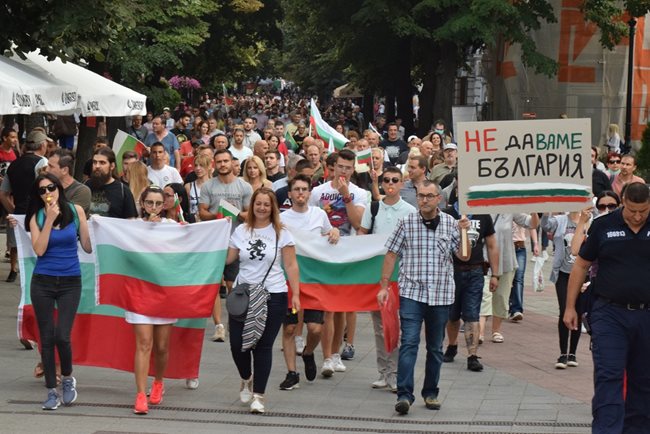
x,y
109,342
146,298
340,298
364,161
525,200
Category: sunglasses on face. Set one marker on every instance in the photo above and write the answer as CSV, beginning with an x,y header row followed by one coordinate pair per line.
x,y
49,187
153,203
608,206
614,161
389,180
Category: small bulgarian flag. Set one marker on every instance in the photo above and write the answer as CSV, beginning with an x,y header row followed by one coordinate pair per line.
x,y
364,157
227,209
179,209
124,142
290,141
330,147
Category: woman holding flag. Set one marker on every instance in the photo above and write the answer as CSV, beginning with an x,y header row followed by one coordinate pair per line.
x,y
151,333
262,244
177,206
55,225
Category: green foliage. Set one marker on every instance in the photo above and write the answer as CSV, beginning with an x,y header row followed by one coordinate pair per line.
x,y
643,156
159,97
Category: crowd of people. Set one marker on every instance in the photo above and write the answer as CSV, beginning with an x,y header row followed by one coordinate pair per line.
x,y
258,155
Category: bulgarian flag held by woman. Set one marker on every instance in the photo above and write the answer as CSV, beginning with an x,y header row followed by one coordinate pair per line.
x,y
158,269
100,336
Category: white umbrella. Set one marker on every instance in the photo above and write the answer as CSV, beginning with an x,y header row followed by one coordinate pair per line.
x,y
24,90
98,96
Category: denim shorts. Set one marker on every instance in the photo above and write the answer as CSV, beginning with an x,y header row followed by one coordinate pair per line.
x,y
469,293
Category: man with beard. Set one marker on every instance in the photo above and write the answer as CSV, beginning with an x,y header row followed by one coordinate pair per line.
x,y
227,187
250,136
182,130
110,197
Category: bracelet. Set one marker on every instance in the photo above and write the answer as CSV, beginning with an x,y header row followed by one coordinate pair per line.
x,y
496,277
347,199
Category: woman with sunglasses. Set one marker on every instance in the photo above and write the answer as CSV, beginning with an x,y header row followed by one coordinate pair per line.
x,y
151,333
613,165
55,225
563,227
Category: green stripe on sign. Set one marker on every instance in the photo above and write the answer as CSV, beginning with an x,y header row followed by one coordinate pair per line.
x,y
350,273
163,268
526,193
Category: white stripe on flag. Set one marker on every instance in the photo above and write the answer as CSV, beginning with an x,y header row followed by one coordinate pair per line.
x,y
348,249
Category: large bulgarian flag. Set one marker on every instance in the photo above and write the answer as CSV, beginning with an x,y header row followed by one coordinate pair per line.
x,y
124,142
342,277
322,130
100,336
159,269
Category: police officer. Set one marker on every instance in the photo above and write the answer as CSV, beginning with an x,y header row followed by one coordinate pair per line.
x,y
620,316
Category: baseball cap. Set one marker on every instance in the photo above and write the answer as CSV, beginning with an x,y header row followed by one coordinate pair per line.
x,y
166,109
37,136
450,146
411,138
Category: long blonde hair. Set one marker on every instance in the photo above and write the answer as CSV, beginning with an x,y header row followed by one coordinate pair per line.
x,y
138,178
260,165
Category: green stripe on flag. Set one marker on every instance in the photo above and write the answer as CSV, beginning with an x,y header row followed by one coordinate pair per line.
x,y
159,268
349,273
526,193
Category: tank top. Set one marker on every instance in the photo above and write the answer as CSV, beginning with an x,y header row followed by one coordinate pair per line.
x,y
60,258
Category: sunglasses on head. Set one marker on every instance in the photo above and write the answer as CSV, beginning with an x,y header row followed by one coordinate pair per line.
x,y
614,161
608,206
49,187
393,180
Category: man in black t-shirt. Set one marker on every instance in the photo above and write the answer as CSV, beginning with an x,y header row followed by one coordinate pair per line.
x,y
110,197
17,185
468,278
393,145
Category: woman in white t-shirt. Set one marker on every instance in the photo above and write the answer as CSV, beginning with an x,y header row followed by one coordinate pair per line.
x,y
253,243
151,333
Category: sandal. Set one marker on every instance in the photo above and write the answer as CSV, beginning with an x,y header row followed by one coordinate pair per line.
x,y
480,340
38,370
497,338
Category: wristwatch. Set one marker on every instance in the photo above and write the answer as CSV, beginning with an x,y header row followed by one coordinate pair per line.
x,y
347,199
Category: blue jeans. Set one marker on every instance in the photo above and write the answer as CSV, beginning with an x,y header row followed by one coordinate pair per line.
x,y
412,313
469,294
517,292
620,345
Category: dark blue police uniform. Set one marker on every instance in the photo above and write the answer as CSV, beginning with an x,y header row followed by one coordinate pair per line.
x,y
620,323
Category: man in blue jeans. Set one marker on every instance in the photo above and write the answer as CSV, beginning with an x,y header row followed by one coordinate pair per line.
x,y
516,309
424,242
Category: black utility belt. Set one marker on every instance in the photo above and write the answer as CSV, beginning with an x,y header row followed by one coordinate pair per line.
x,y
628,306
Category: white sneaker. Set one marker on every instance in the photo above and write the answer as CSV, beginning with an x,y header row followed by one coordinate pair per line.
x,y
338,364
380,383
219,333
391,382
300,345
545,255
192,383
328,368
257,406
246,390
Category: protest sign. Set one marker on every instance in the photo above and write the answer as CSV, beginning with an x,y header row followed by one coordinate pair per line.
x,y
524,166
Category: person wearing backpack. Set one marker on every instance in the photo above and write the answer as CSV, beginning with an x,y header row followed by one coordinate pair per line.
x,y
55,225
380,218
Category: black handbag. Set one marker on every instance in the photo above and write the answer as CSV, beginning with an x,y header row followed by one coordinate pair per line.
x,y
238,299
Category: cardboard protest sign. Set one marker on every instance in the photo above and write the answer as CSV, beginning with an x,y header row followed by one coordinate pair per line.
x,y
524,166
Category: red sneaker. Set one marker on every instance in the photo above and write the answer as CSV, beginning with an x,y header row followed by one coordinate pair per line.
x,y
141,406
156,394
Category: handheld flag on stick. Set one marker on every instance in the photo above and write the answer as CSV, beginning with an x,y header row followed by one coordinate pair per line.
x,y
290,141
124,142
364,157
322,130
179,209
227,209
330,148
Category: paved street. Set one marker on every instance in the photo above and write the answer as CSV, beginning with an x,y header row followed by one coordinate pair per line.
x,y
519,391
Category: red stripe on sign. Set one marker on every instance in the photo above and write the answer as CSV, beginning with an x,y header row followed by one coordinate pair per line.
x,y
108,342
146,298
341,298
525,200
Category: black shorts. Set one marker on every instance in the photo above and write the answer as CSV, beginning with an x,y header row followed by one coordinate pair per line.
x,y
231,271
309,316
